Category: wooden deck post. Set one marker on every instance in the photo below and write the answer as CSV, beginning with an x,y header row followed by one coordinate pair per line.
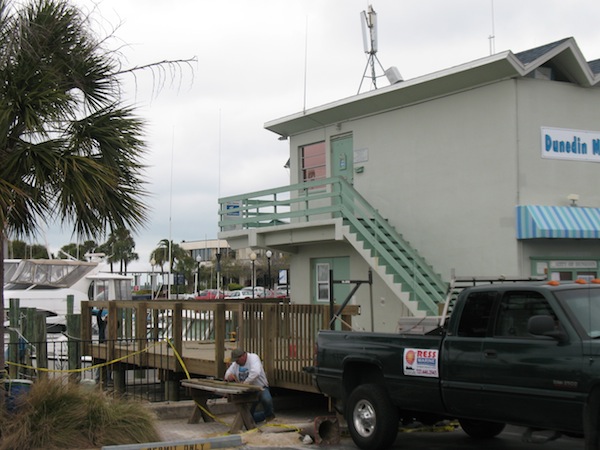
x,y
271,325
13,349
220,331
73,346
178,334
141,329
41,349
86,324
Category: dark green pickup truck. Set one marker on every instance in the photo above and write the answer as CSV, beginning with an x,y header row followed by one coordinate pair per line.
x,y
526,354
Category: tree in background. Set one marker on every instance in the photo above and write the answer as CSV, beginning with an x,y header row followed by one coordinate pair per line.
x,y
119,248
21,250
179,260
160,254
77,251
68,148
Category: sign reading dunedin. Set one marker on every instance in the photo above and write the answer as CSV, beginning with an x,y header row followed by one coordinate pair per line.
x,y
573,145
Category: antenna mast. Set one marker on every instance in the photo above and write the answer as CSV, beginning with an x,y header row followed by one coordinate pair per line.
x,y
492,37
369,28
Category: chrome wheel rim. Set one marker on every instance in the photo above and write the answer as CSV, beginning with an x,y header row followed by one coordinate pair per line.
x,y
363,418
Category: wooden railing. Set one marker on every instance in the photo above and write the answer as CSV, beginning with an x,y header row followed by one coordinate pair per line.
x,y
197,337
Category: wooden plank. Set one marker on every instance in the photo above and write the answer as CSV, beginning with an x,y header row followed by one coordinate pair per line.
x,y
220,387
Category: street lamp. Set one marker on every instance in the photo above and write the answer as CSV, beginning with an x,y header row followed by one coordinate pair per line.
x,y
198,260
152,263
269,254
253,259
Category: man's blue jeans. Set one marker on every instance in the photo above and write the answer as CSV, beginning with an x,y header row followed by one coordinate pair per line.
x,y
265,399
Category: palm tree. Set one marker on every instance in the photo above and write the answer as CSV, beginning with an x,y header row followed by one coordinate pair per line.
x,y
168,251
119,248
78,251
68,147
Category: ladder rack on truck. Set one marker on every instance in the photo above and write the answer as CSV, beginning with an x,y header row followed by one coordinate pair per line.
x,y
435,324
457,284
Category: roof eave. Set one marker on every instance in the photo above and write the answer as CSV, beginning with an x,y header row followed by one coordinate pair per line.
x,y
476,73
568,58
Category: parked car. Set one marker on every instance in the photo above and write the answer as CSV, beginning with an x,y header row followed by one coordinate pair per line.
x,y
282,292
210,294
259,292
238,295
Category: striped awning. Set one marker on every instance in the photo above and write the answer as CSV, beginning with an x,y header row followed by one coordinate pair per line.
x,y
535,222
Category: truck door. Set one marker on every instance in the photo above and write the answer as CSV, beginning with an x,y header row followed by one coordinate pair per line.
x,y
527,377
462,354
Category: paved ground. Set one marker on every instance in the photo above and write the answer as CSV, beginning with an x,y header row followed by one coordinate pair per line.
x,y
295,418
303,415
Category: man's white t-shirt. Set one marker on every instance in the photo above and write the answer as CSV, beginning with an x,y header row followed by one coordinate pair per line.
x,y
250,373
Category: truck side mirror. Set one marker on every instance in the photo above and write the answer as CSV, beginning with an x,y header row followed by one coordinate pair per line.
x,y
545,325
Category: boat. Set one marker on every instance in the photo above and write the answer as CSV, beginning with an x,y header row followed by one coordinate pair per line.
x,y
45,284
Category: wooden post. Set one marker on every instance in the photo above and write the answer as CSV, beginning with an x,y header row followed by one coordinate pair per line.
x,y
74,349
119,374
141,335
269,335
220,330
86,327
178,332
240,331
13,337
70,304
41,347
112,329
29,333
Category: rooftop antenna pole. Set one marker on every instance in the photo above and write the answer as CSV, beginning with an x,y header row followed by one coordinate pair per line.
x,y
369,28
305,61
218,255
492,37
171,216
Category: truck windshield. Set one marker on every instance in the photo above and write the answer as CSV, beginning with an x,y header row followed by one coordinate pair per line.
x,y
585,306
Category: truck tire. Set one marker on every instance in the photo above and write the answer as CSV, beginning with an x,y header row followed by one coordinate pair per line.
x,y
372,418
481,429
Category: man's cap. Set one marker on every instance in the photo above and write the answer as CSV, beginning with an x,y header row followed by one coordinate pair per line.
x,y
235,354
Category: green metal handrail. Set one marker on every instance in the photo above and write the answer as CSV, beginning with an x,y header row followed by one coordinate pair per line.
x,y
335,198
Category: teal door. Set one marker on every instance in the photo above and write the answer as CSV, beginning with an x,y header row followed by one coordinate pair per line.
x,y
342,157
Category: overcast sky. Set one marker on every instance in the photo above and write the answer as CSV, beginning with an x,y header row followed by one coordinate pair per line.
x,y
259,60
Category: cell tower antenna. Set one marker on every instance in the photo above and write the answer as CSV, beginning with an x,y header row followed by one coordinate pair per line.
x,y
368,20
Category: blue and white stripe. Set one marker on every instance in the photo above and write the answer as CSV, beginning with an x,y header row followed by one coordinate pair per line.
x,y
535,222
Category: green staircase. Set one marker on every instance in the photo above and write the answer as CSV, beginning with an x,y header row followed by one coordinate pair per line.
x,y
406,272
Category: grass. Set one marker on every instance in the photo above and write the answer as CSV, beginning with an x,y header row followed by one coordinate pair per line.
x,y
66,416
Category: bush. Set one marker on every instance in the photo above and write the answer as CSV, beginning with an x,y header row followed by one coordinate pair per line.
x,y
234,287
58,415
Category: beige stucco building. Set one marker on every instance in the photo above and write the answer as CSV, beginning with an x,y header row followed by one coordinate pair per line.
x,y
485,169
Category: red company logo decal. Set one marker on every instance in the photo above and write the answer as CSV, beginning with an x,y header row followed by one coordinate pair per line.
x,y
410,357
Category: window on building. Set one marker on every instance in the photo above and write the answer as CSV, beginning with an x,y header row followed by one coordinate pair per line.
x,y
323,282
313,161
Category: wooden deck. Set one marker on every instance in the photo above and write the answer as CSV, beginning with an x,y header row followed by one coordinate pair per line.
x,y
180,336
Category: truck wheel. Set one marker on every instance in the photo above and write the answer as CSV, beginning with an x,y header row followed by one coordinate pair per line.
x,y
480,429
372,419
